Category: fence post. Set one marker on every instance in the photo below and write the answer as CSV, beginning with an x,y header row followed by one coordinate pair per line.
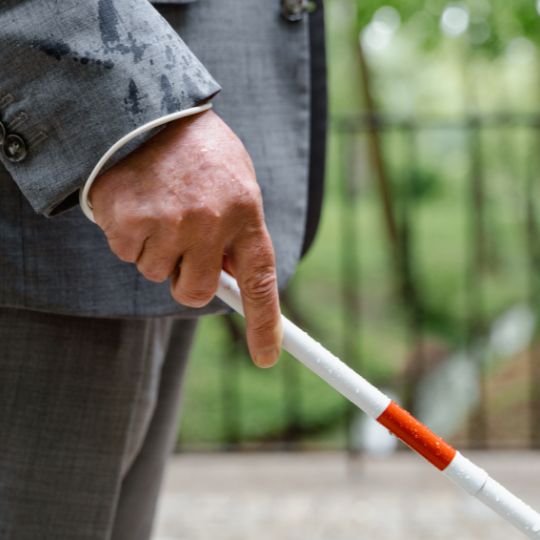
x,y
411,295
533,256
477,429
350,270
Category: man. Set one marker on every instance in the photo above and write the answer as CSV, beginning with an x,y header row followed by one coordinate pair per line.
x,y
96,320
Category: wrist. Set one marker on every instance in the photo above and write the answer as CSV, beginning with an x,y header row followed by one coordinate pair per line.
x,y
86,205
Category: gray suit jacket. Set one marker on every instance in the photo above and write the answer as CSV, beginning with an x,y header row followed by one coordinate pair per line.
x,y
77,76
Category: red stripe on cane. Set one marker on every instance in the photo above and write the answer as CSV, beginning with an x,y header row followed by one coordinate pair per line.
x,y
417,436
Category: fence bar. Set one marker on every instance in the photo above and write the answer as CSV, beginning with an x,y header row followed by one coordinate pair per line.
x,y
231,408
382,122
291,406
533,256
476,236
410,290
350,271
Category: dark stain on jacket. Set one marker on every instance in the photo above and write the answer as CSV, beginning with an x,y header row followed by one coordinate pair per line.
x,y
169,101
108,22
133,99
109,27
56,49
59,50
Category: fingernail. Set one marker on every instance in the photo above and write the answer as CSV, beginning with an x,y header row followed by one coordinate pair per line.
x,y
266,358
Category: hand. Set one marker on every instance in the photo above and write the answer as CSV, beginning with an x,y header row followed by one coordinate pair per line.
x,y
183,203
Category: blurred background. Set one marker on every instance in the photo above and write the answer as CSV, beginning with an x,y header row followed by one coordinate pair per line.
x,y
424,276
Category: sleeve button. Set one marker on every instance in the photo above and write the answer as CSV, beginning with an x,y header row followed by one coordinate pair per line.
x,y
294,10
14,148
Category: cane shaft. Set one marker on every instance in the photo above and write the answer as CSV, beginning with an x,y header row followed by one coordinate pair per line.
x,y
403,425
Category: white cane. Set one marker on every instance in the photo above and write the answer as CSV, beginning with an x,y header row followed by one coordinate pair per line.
x,y
418,437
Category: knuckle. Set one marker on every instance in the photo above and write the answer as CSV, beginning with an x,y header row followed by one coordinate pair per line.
x,y
194,297
252,190
251,200
157,275
170,217
248,200
262,327
261,285
209,214
203,215
125,255
124,248
156,269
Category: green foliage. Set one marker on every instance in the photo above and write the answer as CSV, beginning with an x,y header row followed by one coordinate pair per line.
x,y
417,185
503,20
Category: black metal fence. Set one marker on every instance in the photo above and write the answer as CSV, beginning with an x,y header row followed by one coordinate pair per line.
x,y
438,229
491,148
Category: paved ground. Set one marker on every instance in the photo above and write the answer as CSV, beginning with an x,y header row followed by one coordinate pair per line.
x,y
328,497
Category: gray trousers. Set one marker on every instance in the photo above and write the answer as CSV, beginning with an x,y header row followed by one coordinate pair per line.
x,y
88,415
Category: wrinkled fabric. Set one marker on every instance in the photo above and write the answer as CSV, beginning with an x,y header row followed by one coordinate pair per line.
x,y
88,415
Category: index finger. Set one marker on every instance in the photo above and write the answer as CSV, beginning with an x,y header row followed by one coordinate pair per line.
x,y
255,270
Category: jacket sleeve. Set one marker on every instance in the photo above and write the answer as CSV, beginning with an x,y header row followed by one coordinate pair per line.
x,y
76,76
